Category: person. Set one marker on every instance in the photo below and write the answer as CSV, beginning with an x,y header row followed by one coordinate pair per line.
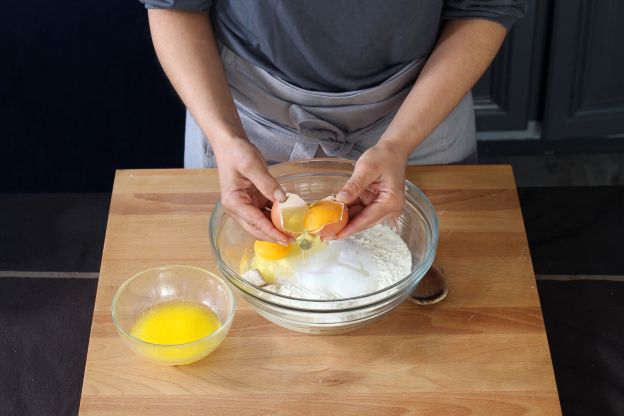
x,y
386,83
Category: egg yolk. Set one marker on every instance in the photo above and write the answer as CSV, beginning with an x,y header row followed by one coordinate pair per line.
x,y
270,251
321,214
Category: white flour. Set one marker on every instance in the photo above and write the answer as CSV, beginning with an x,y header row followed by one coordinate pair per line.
x,y
363,263
387,248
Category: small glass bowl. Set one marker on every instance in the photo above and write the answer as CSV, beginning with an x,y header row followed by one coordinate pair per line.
x,y
173,283
313,180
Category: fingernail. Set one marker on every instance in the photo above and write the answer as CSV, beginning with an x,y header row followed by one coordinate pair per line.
x,y
282,243
279,195
342,196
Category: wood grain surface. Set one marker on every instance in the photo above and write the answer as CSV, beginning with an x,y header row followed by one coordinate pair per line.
x,y
482,351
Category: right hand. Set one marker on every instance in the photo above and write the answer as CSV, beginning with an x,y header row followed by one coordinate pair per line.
x,y
247,187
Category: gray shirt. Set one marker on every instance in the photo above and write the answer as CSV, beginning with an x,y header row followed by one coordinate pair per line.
x,y
337,45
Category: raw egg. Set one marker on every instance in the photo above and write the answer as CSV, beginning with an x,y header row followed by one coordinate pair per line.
x,y
274,261
288,216
324,218
270,251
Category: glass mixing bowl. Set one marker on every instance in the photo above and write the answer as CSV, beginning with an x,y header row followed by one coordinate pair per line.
x,y
313,180
173,283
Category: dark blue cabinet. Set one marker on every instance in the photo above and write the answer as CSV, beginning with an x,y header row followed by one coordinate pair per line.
x,y
585,84
561,66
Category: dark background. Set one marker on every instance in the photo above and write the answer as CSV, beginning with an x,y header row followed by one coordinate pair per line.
x,y
82,94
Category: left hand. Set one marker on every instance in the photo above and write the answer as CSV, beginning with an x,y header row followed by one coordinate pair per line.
x,y
376,190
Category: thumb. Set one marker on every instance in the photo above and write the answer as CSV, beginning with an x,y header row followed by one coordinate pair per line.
x,y
265,182
360,180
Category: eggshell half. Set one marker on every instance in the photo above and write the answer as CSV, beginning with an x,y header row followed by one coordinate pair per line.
x,y
293,201
333,228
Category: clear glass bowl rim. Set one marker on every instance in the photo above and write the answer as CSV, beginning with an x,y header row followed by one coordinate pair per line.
x,y
409,185
140,274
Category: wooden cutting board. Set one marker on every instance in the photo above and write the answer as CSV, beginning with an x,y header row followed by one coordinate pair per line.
x,y
482,351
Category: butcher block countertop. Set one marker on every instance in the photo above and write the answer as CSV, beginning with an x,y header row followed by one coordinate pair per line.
x,y
482,351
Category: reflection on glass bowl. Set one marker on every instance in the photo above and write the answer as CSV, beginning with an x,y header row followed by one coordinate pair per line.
x,y
312,180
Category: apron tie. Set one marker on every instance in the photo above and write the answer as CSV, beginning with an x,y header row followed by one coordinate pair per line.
x,y
312,129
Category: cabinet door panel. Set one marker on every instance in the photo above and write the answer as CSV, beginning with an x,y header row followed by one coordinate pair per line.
x,y
585,89
502,95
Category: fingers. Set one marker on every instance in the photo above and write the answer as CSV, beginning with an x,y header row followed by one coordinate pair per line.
x,y
246,185
255,170
256,223
368,196
369,216
372,214
254,232
355,210
362,177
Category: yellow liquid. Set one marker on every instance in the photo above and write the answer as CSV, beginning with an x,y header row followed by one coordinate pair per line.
x,y
293,219
172,323
283,268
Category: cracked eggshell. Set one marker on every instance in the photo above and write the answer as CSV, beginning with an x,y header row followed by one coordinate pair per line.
x,y
333,228
292,202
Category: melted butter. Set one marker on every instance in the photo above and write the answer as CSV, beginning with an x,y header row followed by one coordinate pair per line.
x,y
176,332
175,322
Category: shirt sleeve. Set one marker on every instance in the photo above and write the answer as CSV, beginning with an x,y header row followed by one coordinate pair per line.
x,y
188,5
505,12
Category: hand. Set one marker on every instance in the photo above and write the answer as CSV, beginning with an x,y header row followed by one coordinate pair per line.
x,y
376,190
247,187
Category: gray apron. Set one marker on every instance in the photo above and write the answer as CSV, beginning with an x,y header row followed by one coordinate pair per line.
x,y
289,123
